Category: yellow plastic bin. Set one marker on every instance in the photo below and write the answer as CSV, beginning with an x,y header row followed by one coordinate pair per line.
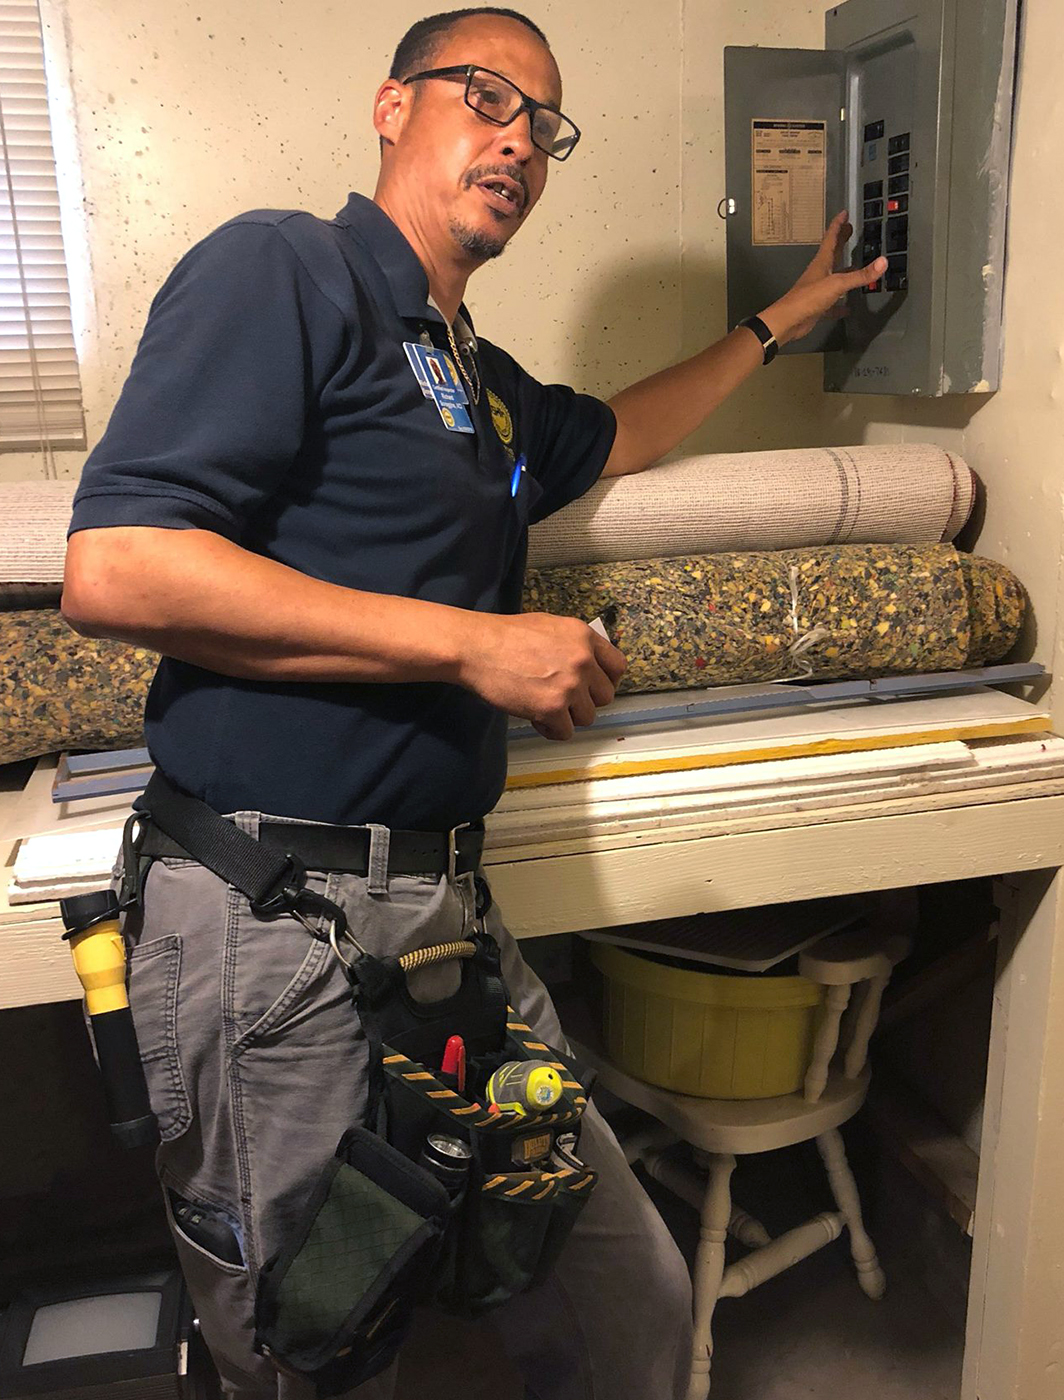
x,y
715,1036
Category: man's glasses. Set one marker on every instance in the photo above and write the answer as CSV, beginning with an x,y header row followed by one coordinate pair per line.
x,y
497,100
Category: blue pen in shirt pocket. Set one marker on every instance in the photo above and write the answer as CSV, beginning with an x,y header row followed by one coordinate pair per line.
x,y
515,476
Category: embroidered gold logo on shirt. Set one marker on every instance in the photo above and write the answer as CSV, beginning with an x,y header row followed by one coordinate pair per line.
x,y
500,416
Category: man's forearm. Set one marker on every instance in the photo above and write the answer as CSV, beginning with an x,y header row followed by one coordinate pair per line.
x,y
659,412
198,597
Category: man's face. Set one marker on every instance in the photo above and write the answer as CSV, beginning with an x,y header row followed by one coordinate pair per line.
x,y
468,178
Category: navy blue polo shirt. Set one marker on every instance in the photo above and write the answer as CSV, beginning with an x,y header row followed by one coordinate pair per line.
x,y
271,401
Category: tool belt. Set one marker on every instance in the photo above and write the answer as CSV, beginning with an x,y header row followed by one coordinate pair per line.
x,y
379,1232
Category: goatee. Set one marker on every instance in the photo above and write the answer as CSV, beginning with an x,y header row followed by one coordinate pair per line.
x,y
476,242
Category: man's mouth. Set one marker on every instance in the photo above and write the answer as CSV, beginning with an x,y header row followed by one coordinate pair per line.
x,y
503,194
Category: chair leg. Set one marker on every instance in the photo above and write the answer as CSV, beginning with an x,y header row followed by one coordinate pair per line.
x,y
748,1231
869,1274
709,1267
826,1043
864,1025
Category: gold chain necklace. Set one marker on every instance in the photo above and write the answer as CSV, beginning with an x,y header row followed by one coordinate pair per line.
x,y
474,383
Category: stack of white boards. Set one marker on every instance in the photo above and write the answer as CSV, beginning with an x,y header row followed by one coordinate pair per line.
x,y
606,789
688,778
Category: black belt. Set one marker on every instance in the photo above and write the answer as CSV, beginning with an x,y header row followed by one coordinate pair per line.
x,y
172,823
345,849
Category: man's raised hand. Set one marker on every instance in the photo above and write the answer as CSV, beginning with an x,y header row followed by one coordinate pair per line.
x,y
820,289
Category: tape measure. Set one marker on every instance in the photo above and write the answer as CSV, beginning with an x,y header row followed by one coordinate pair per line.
x,y
524,1086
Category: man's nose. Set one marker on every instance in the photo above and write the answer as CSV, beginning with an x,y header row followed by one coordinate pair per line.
x,y
516,139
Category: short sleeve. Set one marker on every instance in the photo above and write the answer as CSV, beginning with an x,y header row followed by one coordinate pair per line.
x,y
237,344
566,437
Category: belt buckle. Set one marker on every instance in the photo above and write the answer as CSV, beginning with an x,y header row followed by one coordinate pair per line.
x,y
452,849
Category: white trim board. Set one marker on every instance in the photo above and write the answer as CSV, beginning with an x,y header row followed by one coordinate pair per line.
x,y
710,742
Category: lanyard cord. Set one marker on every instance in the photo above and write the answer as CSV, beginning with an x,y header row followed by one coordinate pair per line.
x,y
474,381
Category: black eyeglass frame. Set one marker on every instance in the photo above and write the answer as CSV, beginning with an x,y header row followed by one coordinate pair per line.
x,y
528,104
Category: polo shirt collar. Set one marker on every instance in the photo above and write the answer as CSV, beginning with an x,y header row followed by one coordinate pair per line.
x,y
407,279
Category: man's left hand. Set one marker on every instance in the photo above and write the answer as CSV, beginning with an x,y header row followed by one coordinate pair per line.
x,y
820,289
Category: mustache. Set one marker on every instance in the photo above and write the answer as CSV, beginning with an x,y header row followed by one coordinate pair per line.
x,y
479,173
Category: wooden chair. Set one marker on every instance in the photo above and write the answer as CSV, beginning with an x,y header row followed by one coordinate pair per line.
x,y
854,966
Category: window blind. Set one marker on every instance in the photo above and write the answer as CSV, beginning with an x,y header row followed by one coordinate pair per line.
x,y
40,388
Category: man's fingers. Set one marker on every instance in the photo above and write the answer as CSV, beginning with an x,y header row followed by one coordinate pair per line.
x,y
601,688
861,278
558,726
582,712
835,235
612,661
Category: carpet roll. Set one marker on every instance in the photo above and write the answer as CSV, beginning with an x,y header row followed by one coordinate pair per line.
x,y
59,690
834,613
898,493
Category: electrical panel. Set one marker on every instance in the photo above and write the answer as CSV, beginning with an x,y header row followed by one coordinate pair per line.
x,y
904,119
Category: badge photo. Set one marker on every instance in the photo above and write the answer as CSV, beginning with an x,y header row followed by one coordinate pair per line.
x,y
435,372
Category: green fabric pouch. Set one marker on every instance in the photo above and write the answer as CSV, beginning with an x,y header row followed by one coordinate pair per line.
x,y
509,1234
334,1305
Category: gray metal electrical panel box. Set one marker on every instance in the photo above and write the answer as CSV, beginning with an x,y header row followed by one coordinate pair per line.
x,y
904,119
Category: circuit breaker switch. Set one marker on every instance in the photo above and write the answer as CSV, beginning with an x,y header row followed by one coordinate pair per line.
x,y
898,234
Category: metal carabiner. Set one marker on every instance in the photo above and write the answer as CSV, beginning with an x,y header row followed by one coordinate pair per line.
x,y
334,942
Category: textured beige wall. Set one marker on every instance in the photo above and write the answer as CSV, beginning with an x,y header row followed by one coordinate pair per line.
x,y
171,116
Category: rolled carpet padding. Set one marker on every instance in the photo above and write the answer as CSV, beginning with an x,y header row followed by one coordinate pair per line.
x,y
898,493
834,613
34,516
59,690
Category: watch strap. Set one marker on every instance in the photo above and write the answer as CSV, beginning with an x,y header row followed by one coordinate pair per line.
x,y
769,344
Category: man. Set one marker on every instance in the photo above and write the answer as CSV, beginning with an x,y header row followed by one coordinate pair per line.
x,y
327,547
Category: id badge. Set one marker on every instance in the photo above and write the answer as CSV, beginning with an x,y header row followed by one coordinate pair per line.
x,y
440,381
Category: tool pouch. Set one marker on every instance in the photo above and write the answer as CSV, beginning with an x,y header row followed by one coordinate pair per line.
x,y
380,1233
526,1185
333,1306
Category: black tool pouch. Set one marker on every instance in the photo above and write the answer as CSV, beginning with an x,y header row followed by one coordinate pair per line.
x,y
334,1305
526,1185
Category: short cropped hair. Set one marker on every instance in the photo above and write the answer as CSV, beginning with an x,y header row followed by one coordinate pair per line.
x,y
421,40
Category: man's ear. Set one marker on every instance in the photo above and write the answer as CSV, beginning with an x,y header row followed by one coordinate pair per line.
x,y
390,108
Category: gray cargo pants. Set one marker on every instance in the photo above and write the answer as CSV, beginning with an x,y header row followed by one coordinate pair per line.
x,y
256,1065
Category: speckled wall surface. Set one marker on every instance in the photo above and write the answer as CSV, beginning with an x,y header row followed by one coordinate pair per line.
x,y
186,113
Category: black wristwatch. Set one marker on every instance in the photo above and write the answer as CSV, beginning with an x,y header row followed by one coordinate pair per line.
x,y
769,344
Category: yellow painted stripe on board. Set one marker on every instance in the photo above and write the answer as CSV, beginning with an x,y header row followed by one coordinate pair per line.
x,y
442,1094
495,1180
540,1194
420,1074
535,1045
517,1026
395,1059
571,1084
811,748
521,1186
469,1108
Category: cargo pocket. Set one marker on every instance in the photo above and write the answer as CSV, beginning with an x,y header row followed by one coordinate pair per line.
x,y
154,978
499,1240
